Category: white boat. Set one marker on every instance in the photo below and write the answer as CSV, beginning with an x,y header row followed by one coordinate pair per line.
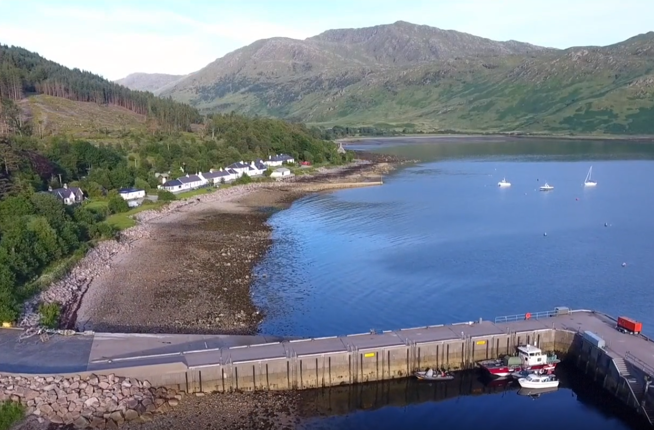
x,y
546,187
524,373
589,182
504,183
539,381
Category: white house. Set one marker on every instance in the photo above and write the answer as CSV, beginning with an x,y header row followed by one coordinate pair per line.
x,y
131,193
257,168
239,167
216,177
68,195
278,160
184,183
282,172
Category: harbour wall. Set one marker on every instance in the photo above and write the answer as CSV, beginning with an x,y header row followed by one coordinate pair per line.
x,y
355,366
197,365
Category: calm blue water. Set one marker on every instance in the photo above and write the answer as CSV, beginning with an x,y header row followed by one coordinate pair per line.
x,y
439,242
465,404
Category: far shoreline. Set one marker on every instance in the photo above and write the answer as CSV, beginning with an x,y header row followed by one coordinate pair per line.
x,y
364,140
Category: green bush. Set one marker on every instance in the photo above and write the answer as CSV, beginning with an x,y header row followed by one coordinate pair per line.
x,y
166,196
117,205
245,179
10,413
50,313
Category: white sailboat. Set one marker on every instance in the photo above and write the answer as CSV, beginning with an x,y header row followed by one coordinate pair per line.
x,y
589,182
504,183
546,187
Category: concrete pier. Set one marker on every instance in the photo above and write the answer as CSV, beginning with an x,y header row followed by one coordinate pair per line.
x,y
226,363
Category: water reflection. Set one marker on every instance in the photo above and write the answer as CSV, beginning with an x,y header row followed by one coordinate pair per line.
x,y
469,401
507,149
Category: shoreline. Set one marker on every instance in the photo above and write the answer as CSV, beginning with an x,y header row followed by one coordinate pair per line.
x,y
363,140
213,241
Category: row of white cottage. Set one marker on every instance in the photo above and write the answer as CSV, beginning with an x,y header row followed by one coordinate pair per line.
x,y
230,173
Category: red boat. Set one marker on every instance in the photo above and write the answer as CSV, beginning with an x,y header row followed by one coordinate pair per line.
x,y
529,358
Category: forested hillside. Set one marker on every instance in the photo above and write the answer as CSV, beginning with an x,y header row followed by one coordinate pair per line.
x,y
24,73
39,235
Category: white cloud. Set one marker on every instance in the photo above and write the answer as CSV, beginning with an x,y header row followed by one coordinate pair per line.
x,y
120,41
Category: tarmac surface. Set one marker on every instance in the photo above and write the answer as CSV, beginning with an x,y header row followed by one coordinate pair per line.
x,y
59,354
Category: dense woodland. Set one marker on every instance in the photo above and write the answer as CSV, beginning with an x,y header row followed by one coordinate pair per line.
x,y
23,72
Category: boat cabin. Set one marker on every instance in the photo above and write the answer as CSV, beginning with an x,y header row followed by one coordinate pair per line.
x,y
531,355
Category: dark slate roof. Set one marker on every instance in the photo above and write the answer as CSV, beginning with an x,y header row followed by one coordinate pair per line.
x,y
281,157
259,165
231,171
237,165
65,192
188,179
129,190
215,174
172,183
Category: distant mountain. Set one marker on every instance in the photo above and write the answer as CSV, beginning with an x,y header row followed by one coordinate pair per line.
x,y
152,82
420,77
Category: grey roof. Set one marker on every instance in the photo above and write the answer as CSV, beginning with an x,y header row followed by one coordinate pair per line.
x,y
173,183
281,157
237,165
259,165
188,179
215,174
63,193
231,171
129,190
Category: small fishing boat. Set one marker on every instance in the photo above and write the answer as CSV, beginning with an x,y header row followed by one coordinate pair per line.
x,y
504,183
526,372
589,182
539,381
430,375
546,187
529,357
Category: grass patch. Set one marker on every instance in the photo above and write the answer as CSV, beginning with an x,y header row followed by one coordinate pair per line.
x,y
53,273
192,193
96,204
10,414
124,220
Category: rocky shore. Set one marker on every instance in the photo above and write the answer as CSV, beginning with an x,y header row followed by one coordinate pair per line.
x,y
186,268
99,402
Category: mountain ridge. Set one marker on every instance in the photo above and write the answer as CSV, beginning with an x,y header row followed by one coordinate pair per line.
x,y
152,82
431,79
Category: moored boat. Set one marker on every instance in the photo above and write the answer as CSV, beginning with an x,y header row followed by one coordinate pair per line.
x,y
546,187
539,381
526,372
430,375
588,182
529,358
504,183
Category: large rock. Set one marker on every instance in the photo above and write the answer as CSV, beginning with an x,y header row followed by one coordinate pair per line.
x,y
131,415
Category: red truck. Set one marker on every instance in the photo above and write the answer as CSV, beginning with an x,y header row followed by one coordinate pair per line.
x,y
628,325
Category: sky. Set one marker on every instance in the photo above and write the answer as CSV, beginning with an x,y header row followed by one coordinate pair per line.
x,y
114,38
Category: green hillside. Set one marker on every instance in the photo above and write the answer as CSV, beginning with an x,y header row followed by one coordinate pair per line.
x,y
422,78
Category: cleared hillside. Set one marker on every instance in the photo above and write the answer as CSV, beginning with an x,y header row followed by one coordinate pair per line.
x,y
54,116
